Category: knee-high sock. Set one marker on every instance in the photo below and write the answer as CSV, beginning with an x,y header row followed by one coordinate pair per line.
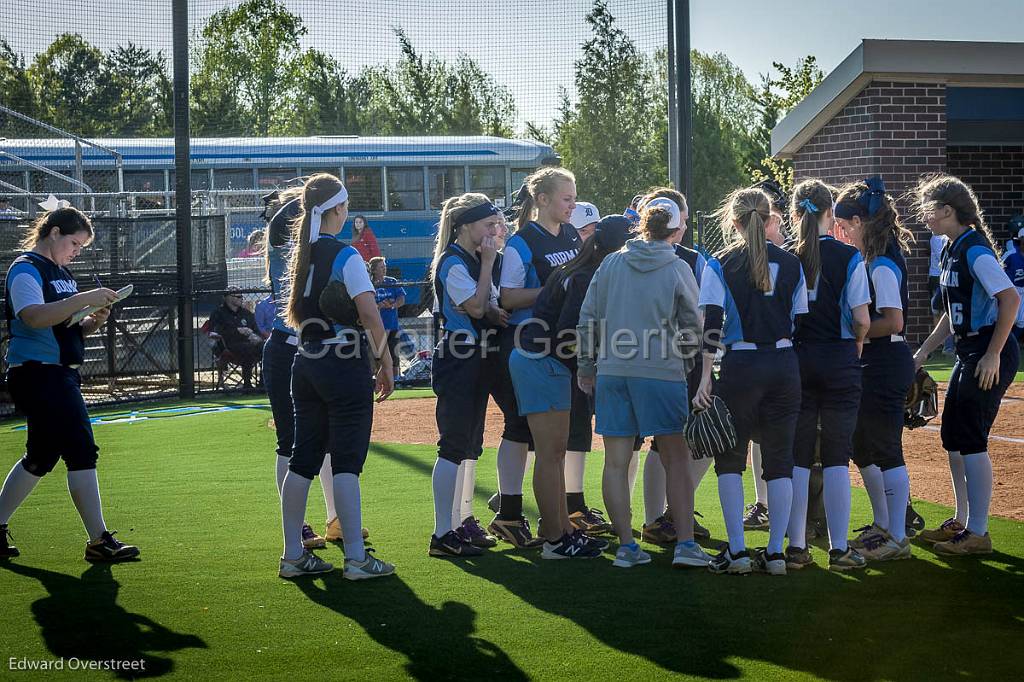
x,y
294,493
282,471
456,512
16,488
631,472
837,504
958,474
875,485
798,511
654,487
444,480
468,488
730,495
84,487
511,467
897,491
327,485
979,491
780,503
575,465
760,485
348,500
698,469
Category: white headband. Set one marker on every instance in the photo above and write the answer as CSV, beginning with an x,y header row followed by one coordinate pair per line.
x,y
52,203
314,222
672,207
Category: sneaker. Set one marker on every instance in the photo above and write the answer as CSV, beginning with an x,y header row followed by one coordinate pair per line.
x,y
949,529
699,531
884,548
7,550
569,547
493,502
725,562
915,522
591,521
963,543
472,532
659,532
310,540
684,557
516,532
107,548
370,567
756,517
772,564
600,544
333,532
452,544
307,564
798,557
845,560
864,533
627,557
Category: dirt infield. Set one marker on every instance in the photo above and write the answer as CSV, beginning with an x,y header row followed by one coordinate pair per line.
x,y
412,421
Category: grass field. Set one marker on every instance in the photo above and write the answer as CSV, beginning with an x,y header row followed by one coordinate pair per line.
x,y
197,495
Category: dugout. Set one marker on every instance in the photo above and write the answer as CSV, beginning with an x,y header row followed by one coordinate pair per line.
x,y
904,108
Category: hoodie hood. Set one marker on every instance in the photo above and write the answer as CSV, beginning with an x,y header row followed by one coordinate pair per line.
x,y
645,256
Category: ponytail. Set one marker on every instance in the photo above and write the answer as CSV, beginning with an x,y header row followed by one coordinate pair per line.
x,y
751,207
68,219
318,189
947,190
447,233
811,199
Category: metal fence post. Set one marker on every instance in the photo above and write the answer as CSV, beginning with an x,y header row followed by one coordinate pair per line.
x,y
183,197
683,119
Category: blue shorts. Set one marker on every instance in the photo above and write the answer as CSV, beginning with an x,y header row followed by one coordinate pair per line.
x,y
542,383
631,406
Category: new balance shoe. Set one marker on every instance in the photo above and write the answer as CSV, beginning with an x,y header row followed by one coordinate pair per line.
x,y
569,547
370,567
310,540
949,529
963,543
726,562
756,517
472,532
798,557
885,548
699,531
600,544
307,564
772,564
915,522
333,532
685,556
7,550
110,549
451,544
515,532
493,502
845,560
628,557
591,521
864,533
659,532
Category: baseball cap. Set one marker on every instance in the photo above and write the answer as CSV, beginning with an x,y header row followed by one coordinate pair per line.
x,y
676,221
613,231
584,214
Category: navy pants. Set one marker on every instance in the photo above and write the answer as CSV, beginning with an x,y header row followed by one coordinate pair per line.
x,y
458,377
278,356
830,396
761,388
50,397
888,372
969,412
581,420
332,391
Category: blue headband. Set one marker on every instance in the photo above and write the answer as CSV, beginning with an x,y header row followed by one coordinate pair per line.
x,y
869,202
809,206
476,213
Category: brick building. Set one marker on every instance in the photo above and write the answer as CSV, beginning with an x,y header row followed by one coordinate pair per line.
x,y
903,109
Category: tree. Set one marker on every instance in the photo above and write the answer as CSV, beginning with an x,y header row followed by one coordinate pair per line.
x,y
330,98
66,77
15,87
135,94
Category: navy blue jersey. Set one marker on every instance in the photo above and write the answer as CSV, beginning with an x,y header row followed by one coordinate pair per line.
x,y
555,316
695,259
530,256
842,285
887,279
330,260
752,316
971,277
278,248
34,279
455,281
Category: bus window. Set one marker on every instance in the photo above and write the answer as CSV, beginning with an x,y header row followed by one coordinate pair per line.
x,y
489,180
518,175
364,189
276,178
231,178
200,180
405,189
445,183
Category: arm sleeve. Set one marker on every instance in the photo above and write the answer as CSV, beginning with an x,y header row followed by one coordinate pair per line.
x,y
459,285
513,264
986,269
714,317
857,291
800,295
25,287
712,288
688,315
350,269
702,263
887,288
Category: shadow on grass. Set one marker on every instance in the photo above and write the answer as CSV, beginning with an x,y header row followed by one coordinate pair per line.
x,y
438,642
81,619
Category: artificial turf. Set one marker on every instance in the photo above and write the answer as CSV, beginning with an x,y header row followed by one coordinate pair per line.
x,y
197,495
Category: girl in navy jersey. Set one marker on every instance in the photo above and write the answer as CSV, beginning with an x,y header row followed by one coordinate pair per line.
x,y
339,366
751,293
868,218
980,307
44,356
828,341
544,240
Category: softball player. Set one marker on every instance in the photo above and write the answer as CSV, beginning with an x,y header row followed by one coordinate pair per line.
x,y
868,218
980,304
43,359
751,293
333,384
828,341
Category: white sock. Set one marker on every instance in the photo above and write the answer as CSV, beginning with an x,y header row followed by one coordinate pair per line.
x,y
730,495
16,488
837,504
798,511
282,471
531,457
468,488
511,467
897,490
875,485
348,501
760,485
443,481
84,487
698,468
575,465
327,485
780,503
460,475
631,471
959,476
979,490
654,487
294,493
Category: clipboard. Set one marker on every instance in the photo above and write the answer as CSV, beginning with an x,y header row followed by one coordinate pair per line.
x,y
122,294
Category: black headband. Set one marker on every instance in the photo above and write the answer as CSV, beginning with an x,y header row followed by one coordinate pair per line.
x,y
485,210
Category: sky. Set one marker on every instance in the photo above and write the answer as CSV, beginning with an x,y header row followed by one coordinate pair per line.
x,y
530,45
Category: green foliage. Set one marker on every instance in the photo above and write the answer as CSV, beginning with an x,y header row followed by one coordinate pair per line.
x,y
16,89
66,77
135,94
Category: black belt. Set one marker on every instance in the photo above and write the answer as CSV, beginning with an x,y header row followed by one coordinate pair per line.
x,y
284,337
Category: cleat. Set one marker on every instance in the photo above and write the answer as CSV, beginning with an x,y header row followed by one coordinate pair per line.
x,y
590,521
884,548
569,547
493,502
699,531
864,533
725,562
626,557
108,548
7,550
307,564
845,560
473,533
516,532
915,522
772,564
451,544
756,517
660,532
949,529
686,557
310,540
798,557
370,567
964,543
333,532
600,544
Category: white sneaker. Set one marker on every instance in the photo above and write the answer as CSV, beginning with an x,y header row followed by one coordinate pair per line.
x,y
307,564
884,548
772,564
370,567
628,558
690,556
725,562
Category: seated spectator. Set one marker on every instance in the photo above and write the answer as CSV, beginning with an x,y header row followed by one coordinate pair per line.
x,y
236,326
363,239
254,247
7,211
265,312
389,299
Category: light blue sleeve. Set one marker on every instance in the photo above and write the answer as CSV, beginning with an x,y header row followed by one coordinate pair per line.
x,y
800,295
712,285
857,290
350,269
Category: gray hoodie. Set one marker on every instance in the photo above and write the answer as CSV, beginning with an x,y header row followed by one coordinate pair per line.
x,y
640,317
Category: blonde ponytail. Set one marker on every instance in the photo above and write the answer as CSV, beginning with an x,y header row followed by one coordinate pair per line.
x,y
751,208
446,232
